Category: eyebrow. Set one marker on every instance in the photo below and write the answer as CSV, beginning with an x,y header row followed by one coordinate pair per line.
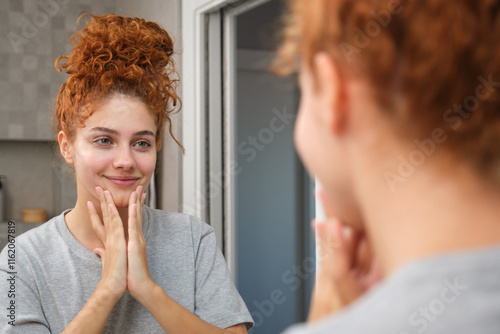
x,y
114,132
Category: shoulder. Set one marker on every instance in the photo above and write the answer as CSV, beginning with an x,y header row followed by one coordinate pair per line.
x,y
175,223
432,295
35,240
31,249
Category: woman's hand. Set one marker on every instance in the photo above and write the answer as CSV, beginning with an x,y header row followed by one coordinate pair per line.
x,y
346,268
139,279
114,253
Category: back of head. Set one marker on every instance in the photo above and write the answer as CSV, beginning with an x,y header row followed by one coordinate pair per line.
x,y
431,64
115,54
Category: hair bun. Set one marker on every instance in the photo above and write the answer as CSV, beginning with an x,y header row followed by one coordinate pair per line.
x,y
113,47
117,54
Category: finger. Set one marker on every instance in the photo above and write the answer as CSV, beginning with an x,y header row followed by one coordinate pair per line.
x,y
335,230
104,206
96,222
132,214
115,225
352,238
114,217
328,242
108,197
138,201
364,256
141,196
142,199
333,252
326,203
321,239
133,224
141,208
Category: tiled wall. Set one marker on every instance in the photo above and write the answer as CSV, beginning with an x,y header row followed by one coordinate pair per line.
x,y
33,34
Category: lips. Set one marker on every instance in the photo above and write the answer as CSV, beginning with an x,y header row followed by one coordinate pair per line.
x,y
123,181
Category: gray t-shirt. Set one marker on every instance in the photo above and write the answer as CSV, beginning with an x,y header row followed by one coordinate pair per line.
x,y
455,293
55,276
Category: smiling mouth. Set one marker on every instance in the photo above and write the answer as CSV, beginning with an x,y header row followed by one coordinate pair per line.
x,y
122,181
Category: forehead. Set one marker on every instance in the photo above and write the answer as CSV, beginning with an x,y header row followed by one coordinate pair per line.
x,y
122,112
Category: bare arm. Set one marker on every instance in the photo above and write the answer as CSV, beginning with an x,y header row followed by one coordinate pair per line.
x,y
92,317
174,318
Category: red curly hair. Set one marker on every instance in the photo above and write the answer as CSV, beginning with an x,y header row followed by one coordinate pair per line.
x,y
423,60
115,54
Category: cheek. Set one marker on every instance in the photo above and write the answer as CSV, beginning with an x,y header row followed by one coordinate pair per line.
x,y
90,161
147,163
304,137
299,135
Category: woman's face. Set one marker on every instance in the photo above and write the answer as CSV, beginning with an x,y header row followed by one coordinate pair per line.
x,y
115,150
321,148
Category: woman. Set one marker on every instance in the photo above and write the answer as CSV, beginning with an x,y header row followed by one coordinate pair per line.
x,y
111,264
399,120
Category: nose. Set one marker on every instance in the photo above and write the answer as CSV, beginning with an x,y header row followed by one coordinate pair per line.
x,y
124,159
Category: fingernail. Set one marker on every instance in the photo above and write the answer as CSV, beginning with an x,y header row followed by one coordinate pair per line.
x,y
98,190
106,193
89,204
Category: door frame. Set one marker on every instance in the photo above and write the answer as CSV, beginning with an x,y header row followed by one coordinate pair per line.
x,y
208,85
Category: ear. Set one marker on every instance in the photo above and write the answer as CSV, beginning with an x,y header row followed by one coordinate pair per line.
x,y
331,90
65,147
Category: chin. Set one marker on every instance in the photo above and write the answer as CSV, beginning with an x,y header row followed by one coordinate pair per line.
x,y
343,206
120,205
122,201
352,219
120,197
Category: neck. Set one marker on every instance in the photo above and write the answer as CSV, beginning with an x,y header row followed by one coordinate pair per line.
x,y
434,211
80,226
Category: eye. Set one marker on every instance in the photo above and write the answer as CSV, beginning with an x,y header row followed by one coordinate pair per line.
x,y
103,141
142,144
